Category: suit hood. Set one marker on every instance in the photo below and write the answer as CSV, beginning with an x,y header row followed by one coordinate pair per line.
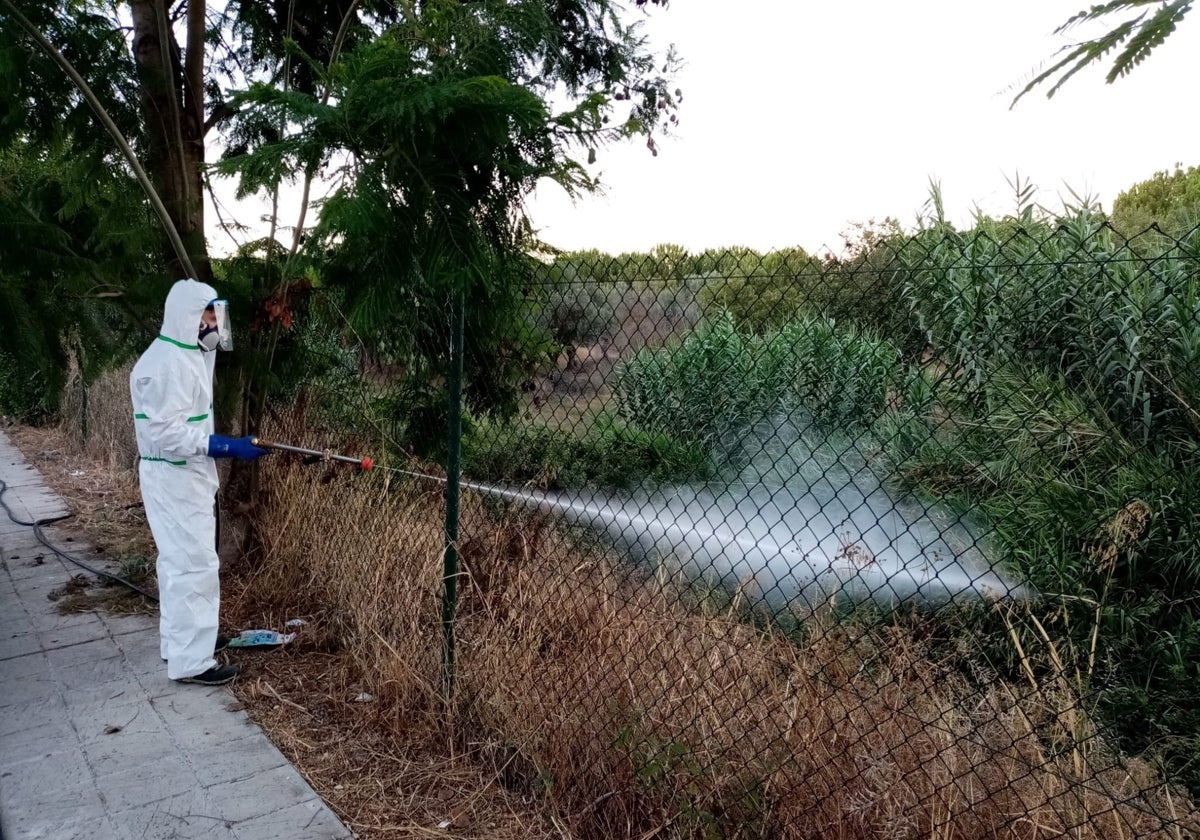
x,y
184,308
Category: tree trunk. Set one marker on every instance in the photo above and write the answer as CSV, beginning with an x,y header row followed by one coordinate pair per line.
x,y
174,122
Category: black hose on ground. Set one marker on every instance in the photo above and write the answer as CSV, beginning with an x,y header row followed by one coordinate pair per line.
x,y
37,532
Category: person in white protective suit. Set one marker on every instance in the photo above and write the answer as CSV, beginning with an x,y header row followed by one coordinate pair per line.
x,y
171,388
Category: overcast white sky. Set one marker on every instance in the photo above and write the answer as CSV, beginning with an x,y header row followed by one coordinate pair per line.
x,y
800,118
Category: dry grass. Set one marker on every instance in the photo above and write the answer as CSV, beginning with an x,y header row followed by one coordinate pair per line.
x,y
97,479
592,692
384,779
97,418
85,593
96,474
590,703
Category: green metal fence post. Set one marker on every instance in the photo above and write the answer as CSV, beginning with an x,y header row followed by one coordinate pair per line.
x,y
453,457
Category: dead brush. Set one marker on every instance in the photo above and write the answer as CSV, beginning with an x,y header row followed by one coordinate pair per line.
x,y
90,457
98,418
584,682
376,574
104,502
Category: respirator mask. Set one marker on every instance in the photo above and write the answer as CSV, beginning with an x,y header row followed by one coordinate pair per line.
x,y
217,336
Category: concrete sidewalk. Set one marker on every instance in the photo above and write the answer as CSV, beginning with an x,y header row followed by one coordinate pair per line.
x,y
96,742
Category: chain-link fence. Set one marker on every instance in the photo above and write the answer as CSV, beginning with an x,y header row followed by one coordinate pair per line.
x,y
902,543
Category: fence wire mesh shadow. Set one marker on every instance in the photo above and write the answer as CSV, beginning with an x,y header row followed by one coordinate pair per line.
x,y
901,543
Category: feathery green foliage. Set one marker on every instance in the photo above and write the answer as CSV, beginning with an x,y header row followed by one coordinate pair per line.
x,y
39,106
75,252
438,129
1052,396
1059,397
1136,38
76,258
1071,298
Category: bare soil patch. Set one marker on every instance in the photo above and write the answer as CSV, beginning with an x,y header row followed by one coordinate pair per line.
x,y
383,777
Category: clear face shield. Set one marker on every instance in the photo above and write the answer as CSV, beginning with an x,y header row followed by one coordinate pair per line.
x,y
218,336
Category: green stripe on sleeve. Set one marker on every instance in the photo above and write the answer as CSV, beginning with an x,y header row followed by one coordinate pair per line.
x,y
165,461
140,416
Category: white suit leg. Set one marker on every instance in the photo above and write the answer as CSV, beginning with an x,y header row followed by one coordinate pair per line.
x,y
179,507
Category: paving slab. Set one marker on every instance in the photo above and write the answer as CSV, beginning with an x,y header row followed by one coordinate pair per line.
x,y
184,816
95,742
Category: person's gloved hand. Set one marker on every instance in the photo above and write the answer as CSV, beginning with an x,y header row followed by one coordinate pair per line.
x,y
220,446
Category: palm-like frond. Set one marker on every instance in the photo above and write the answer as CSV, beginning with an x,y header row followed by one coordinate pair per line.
x,y
1149,35
1136,37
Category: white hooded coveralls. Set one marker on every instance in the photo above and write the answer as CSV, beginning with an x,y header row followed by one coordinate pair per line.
x,y
171,387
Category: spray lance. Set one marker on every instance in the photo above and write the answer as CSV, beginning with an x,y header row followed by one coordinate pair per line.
x,y
315,454
312,456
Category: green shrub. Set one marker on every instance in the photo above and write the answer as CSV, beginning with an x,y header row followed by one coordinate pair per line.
x,y
719,381
609,456
574,313
1104,529
24,395
1071,299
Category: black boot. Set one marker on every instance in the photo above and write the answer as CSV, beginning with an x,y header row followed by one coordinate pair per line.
x,y
217,675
